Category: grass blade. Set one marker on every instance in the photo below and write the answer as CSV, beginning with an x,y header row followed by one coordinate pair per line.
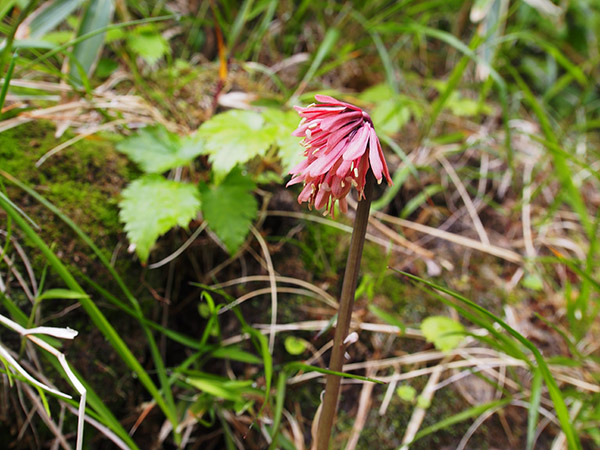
x,y
460,417
534,405
92,310
559,403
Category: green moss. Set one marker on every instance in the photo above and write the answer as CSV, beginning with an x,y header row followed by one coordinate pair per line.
x,y
324,250
83,180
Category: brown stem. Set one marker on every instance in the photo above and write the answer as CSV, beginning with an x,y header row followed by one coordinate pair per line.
x,y
332,387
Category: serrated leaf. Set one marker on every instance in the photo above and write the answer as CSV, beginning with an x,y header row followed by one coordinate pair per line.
x,y
444,332
152,205
234,137
148,44
289,149
229,208
155,149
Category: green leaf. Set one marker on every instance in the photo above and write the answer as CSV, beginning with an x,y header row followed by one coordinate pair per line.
x,y
149,44
151,206
285,122
407,393
156,150
294,346
444,332
555,393
296,365
387,317
97,16
51,16
229,208
235,353
466,107
460,417
106,67
534,406
222,388
390,115
61,293
235,137
533,282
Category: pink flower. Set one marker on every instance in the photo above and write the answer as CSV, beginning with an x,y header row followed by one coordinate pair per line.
x,y
340,146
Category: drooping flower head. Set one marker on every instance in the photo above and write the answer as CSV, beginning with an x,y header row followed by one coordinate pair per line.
x,y
340,146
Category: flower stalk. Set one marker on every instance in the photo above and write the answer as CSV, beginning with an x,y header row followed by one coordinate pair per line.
x,y
336,362
341,151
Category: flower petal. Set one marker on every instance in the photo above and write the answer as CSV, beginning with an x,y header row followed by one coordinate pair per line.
x,y
343,169
358,145
322,198
333,122
332,101
374,159
325,162
337,136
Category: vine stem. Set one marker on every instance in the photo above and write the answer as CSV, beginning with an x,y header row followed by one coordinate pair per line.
x,y
332,386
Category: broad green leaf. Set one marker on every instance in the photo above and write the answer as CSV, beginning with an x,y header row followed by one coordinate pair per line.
x,y
151,206
289,149
229,208
48,17
155,149
98,15
235,137
444,332
149,44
